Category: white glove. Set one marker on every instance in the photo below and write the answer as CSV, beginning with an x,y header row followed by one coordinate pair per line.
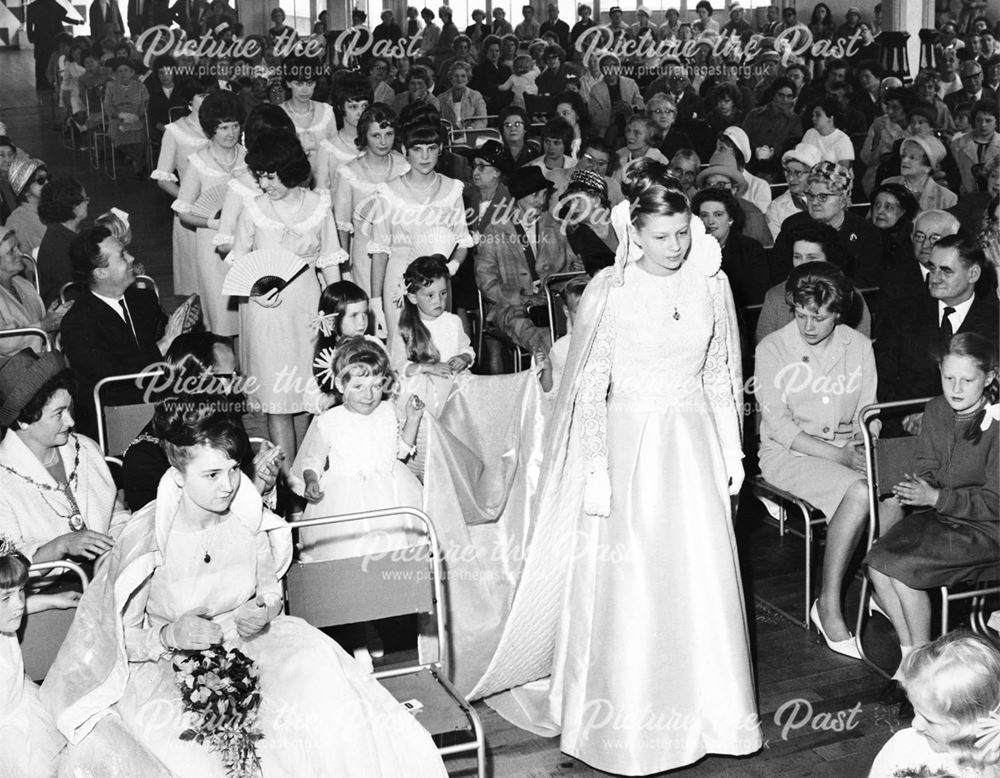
x,y
381,328
453,265
597,493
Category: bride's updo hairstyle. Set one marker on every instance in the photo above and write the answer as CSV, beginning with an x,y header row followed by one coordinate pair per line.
x,y
645,172
658,200
182,423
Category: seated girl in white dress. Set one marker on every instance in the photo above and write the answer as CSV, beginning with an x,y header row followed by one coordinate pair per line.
x,y
192,570
954,686
29,741
350,458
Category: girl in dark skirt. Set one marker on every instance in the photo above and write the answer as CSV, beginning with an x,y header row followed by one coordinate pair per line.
x,y
953,533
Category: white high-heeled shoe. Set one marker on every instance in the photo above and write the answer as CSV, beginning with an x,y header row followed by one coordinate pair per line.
x,y
846,647
874,607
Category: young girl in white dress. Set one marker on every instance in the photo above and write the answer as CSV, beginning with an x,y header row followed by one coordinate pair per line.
x,y
350,459
29,740
276,342
181,139
418,214
223,158
430,348
344,312
954,686
355,184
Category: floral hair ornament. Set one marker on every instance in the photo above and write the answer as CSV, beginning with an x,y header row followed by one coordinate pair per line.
x,y
323,366
991,413
988,730
121,215
324,324
7,546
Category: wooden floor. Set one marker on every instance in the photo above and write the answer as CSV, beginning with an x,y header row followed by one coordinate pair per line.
x,y
797,676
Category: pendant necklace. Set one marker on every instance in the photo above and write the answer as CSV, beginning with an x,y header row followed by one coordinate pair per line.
x,y
673,301
207,559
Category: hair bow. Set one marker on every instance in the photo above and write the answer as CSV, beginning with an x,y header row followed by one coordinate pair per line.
x,y
323,369
991,413
323,324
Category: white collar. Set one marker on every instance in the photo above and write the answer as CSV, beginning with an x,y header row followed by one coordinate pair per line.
x,y
112,303
962,309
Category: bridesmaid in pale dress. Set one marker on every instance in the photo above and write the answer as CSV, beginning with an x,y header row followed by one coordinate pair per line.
x,y
276,343
418,214
181,139
221,117
243,187
355,184
314,121
354,95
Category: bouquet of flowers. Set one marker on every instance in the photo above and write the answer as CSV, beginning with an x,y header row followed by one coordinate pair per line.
x,y
220,689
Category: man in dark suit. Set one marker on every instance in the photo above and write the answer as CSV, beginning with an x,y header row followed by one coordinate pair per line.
x,y
103,13
972,89
115,327
140,16
917,330
555,25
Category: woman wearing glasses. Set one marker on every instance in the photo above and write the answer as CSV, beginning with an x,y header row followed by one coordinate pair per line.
x,y
514,130
795,165
27,178
662,110
827,195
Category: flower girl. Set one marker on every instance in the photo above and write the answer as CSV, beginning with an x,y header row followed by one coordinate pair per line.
x,y
29,740
350,458
954,685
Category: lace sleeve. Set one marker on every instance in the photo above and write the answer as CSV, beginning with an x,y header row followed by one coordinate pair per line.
x,y
723,379
166,163
593,399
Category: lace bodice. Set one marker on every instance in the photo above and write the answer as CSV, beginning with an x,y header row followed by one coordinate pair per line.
x,y
657,356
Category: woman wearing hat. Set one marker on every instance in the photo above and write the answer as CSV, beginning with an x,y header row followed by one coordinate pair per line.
x,y
57,497
587,218
795,165
852,20
892,211
725,175
20,304
27,178
919,157
125,103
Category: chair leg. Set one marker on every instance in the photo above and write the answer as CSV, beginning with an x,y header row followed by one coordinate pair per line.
x,y
944,610
808,537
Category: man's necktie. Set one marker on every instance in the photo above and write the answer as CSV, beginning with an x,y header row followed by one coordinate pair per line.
x,y
946,328
128,321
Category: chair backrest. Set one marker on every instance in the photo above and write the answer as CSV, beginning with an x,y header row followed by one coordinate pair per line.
x,y
70,291
539,105
44,632
118,425
44,341
861,209
379,586
887,459
147,282
554,284
177,112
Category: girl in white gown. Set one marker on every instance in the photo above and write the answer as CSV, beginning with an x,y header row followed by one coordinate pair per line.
x,y
29,740
630,598
195,568
354,95
314,121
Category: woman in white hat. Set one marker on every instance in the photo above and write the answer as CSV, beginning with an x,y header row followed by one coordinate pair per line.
x,y
919,157
27,177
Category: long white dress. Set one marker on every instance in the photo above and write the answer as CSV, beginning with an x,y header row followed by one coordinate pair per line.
x,y
276,344
332,154
181,139
353,191
323,124
322,715
29,741
405,229
204,173
357,458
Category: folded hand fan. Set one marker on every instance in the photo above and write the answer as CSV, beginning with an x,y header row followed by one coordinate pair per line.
x,y
259,272
209,204
192,313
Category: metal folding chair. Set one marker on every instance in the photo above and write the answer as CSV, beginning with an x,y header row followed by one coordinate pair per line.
x,y
554,285
45,340
811,517
489,332
45,631
886,460
118,425
348,591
